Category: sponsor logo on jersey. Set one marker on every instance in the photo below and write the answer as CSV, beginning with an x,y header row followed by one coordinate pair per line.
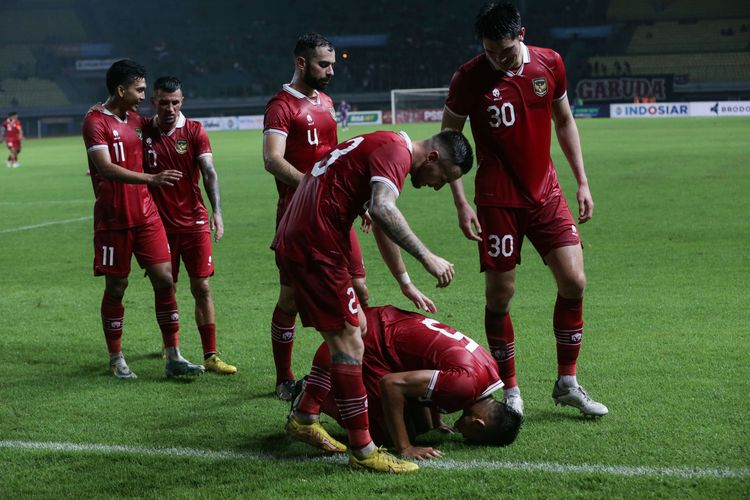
x,y
181,146
540,86
116,134
496,94
139,133
309,120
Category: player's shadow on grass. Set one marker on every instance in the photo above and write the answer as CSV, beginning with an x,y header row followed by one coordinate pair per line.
x,y
279,445
559,416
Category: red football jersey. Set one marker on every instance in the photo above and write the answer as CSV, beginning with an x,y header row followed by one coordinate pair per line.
x,y
309,125
12,130
510,114
400,341
118,205
181,206
334,192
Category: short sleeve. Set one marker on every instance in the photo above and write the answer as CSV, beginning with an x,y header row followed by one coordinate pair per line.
x,y
460,97
453,389
561,86
201,144
390,164
94,131
277,117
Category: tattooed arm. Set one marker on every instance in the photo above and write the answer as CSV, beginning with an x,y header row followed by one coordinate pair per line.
x,y
211,183
391,221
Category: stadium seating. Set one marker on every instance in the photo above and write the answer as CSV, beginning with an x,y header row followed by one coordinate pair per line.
x,y
30,92
714,35
714,66
675,10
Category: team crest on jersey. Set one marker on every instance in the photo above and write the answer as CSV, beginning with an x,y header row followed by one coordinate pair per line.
x,y
181,146
140,133
540,86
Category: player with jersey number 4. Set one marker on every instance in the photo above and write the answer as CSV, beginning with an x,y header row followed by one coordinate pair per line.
x,y
510,94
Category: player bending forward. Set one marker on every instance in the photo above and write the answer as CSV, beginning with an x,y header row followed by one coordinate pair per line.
x,y
413,367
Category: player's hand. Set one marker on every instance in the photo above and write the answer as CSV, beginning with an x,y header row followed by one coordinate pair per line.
x,y
469,223
421,453
216,224
585,204
420,300
440,269
366,225
165,178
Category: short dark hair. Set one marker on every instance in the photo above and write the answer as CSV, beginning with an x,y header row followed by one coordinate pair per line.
x,y
167,84
307,43
13,113
123,72
502,426
455,147
496,21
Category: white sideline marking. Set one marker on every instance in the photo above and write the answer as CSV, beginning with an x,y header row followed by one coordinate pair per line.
x,y
613,470
44,224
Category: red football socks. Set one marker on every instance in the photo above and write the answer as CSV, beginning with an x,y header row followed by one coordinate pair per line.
x,y
113,313
351,400
208,339
568,328
501,339
282,342
167,315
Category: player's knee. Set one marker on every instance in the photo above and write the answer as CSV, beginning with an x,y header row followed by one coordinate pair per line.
x,y
115,287
573,286
286,303
499,294
200,289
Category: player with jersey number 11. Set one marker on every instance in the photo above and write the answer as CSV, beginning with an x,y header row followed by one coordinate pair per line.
x,y
312,246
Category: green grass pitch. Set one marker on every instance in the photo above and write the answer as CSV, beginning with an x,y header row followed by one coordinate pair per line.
x,y
666,343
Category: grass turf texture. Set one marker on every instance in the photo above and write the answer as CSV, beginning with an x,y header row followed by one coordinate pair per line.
x,y
665,347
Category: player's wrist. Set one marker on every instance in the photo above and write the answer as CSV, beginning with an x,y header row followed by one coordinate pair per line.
x,y
403,279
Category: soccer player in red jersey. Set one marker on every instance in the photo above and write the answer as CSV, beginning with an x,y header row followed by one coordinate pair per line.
x,y
173,142
126,221
13,135
299,128
410,363
511,93
312,247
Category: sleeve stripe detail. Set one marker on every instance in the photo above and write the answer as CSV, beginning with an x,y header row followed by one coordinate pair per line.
x,y
449,110
97,146
431,385
492,388
275,131
562,96
205,154
387,182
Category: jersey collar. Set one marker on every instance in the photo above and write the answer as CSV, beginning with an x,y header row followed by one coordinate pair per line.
x,y
109,113
299,95
181,120
526,60
407,140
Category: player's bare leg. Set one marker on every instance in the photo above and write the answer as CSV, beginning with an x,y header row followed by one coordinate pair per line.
x,y
282,341
566,264
168,318
499,290
206,322
113,314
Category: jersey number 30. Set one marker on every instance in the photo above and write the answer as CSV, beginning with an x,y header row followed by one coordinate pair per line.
x,y
505,114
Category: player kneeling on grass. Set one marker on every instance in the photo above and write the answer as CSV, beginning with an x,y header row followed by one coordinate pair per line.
x,y
414,366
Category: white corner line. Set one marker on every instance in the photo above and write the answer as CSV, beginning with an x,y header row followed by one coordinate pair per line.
x,y
684,472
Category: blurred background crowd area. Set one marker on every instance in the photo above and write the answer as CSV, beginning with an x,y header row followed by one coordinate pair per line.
x,y
54,53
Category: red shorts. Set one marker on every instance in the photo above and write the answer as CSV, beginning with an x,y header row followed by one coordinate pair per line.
x,y
356,262
14,145
323,293
195,250
547,227
113,249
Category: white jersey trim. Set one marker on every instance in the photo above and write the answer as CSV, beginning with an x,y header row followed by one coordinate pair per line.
x,y
454,113
299,95
407,140
97,146
431,386
181,121
275,131
492,388
562,96
204,154
387,182
109,113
